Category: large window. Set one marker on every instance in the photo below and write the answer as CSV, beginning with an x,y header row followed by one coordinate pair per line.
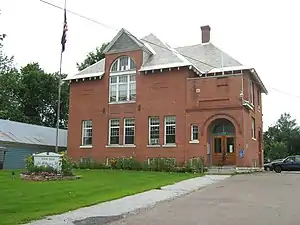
x,y
170,130
87,134
253,128
129,131
251,92
114,132
154,130
122,83
194,132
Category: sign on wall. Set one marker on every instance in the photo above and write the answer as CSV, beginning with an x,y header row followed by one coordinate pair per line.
x,y
50,159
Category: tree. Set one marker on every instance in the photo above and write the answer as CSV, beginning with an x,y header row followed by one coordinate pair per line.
x,y
39,97
92,57
283,138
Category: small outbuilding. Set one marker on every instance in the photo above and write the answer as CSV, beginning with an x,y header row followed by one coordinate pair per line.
x,y
18,140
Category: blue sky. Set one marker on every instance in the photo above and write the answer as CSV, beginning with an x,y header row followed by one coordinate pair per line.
x,y
261,34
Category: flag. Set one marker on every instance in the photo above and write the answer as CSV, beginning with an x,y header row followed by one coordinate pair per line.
x,y
65,29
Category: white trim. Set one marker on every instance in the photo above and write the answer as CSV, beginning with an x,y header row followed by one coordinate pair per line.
x,y
120,146
192,132
253,129
117,84
86,146
169,146
109,131
81,76
149,130
124,132
83,128
194,142
163,66
165,133
229,68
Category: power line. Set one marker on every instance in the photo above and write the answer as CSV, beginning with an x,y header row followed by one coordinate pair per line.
x,y
160,46
116,29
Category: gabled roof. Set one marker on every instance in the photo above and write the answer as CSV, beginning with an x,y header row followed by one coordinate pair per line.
x,y
164,57
206,57
127,34
23,133
202,58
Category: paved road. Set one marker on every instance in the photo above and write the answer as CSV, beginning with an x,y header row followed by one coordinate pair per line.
x,y
262,198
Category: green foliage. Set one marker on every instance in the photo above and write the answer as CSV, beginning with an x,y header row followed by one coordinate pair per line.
x,y
154,164
66,168
92,57
282,139
67,165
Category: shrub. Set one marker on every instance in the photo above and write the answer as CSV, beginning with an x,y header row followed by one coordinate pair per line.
x,y
162,164
66,167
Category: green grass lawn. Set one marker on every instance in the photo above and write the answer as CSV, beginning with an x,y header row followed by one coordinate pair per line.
x,y
22,201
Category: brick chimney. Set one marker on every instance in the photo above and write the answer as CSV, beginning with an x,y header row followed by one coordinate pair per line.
x,y
205,33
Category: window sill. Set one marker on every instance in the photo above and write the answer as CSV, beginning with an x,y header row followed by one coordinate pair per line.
x,y
169,146
153,146
194,142
86,146
120,146
123,102
254,139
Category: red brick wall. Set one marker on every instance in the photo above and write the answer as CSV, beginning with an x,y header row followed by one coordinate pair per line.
x,y
160,94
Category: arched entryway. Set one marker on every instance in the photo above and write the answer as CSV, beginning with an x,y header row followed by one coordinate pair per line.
x,y
223,139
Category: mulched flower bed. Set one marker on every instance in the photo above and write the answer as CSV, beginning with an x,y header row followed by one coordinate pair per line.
x,y
45,176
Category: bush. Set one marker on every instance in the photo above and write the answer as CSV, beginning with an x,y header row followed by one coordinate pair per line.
x,y
162,164
194,165
66,168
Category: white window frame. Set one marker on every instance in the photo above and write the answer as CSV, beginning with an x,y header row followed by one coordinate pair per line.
x,y
253,130
252,92
165,129
129,126
192,134
150,125
84,127
109,131
128,72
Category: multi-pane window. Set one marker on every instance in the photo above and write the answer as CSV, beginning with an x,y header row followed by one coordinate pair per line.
x,y
129,131
170,130
114,131
258,98
87,134
122,85
251,92
253,128
154,130
194,132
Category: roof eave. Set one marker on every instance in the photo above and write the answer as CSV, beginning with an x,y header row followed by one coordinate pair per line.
x,y
84,76
254,73
163,66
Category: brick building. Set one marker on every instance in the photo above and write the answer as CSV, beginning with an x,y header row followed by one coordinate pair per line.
x,y
147,99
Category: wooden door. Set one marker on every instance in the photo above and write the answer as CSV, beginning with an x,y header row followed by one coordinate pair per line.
x,y
224,152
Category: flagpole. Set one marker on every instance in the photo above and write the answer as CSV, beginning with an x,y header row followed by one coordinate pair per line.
x,y
58,100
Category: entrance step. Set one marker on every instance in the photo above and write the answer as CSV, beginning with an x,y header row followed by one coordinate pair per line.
x,y
221,170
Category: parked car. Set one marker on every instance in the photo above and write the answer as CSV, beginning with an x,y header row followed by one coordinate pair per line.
x,y
290,163
269,166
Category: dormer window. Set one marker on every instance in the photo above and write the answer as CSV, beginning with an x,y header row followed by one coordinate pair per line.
x,y
122,84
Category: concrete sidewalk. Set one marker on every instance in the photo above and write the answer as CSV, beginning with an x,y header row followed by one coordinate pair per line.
x,y
112,210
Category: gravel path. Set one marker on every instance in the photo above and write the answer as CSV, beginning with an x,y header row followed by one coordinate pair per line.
x,y
114,210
